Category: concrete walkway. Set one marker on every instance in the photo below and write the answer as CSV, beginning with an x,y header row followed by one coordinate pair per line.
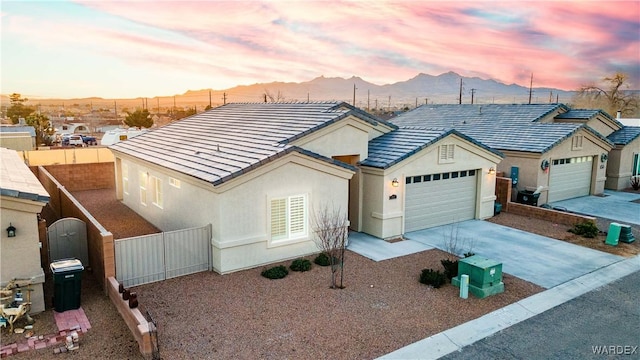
x,y
614,205
377,249
468,333
541,260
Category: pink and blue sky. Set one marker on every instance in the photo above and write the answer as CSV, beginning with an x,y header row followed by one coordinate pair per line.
x,y
158,48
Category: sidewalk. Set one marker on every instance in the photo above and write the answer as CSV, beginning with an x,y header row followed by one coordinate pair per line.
x,y
468,333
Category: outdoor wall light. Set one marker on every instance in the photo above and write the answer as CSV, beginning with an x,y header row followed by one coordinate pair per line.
x,y
492,171
11,230
395,182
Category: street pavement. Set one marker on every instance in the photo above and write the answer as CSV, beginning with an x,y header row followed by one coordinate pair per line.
x,y
600,324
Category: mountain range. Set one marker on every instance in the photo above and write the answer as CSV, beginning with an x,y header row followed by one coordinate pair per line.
x,y
423,88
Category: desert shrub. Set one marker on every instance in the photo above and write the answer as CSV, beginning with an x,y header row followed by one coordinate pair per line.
x,y
322,259
300,265
276,272
587,229
432,277
450,268
469,254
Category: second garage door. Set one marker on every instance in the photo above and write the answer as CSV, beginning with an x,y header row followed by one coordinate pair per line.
x,y
570,178
439,199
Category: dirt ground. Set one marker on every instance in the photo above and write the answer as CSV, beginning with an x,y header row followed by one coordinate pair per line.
x,y
560,232
243,315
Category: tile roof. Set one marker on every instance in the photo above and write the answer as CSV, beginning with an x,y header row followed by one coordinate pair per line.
x,y
503,127
230,140
625,135
586,114
16,180
391,148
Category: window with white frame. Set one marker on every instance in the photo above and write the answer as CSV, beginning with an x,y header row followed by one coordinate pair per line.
x,y
288,217
125,178
576,143
446,153
174,182
155,185
144,177
635,171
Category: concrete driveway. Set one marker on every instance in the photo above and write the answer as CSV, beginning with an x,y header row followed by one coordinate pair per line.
x,y
614,205
543,261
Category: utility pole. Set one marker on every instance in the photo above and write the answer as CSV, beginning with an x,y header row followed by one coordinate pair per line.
x,y
550,96
158,100
530,88
307,96
376,104
389,103
426,101
416,102
460,99
209,98
368,100
265,98
354,95
473,91
224,98
115,106
174,102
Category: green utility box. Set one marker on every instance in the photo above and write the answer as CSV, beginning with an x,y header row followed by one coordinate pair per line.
x,y
485,276
67,284
613,235
626,236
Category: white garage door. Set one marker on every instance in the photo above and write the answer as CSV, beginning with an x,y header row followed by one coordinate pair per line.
x,y
439,199
570,178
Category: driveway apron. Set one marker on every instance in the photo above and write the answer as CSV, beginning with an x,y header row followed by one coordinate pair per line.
x,y
541,260
614,205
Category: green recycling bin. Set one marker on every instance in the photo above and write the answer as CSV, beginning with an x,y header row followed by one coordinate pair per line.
x,y
67,284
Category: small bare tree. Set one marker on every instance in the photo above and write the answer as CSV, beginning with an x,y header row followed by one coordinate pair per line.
x,y
268,95
331,227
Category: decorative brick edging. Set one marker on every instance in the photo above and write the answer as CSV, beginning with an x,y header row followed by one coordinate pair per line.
x,y
39,342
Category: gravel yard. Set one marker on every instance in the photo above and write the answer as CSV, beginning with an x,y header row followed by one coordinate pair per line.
x,y
244,315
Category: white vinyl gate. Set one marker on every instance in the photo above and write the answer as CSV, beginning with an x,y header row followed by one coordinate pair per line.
x,y
156,257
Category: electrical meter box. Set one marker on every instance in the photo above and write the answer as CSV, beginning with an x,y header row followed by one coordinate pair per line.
x,y
485,276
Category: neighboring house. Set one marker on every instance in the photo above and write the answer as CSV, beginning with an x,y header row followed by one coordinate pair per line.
x,y
259,172
623,162
22,199
546,146
18,137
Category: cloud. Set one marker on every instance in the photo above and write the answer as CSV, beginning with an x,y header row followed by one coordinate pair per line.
x,y
564,44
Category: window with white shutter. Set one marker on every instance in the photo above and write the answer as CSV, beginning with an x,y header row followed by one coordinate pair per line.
x,y
447,153
125,178
156,191
288,217
143,187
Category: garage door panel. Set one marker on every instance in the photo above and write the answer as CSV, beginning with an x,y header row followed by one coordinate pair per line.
x,y
439,202
570,178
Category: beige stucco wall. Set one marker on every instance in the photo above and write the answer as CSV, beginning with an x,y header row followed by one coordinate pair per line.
x,y
20,255
20,141
347,137
238,209
531,175
383,217
619,165
84,155
604,126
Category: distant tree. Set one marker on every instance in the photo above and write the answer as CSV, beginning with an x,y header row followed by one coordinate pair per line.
x,y
18,109
271,97
43,128
208,107
139,118
182,113
612,95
